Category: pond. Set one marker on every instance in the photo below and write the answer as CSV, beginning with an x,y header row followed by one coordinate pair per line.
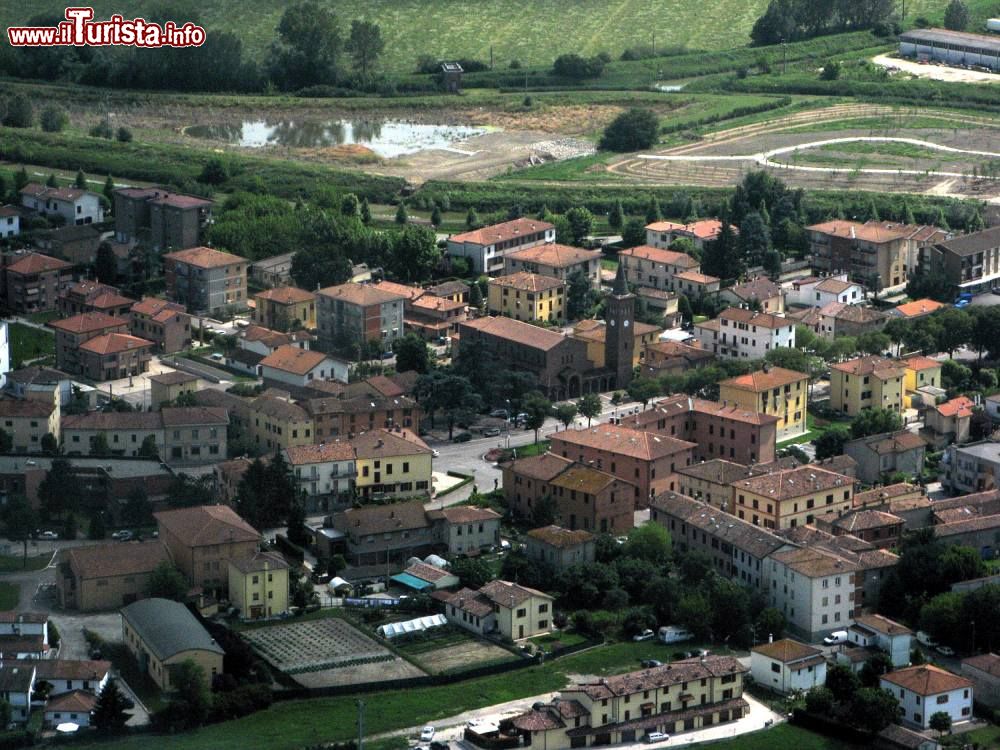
x,y
387,138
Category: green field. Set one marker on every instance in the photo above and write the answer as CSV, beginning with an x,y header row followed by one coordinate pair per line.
x,y
10,595
16,563
28,343
530,31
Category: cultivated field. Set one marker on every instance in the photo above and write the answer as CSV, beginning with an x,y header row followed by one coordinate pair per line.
x,y
448,649
533,32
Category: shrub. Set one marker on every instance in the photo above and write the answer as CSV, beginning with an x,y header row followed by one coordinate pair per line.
x,y
102,130
632,130
54,119
577,67
20,113
124,135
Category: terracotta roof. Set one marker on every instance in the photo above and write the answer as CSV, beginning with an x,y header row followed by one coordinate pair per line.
x,y
363,295
299,455
597,330
696,277
759,288
9,211
544,467
554,255
12,616
516,331
71,669
764,380
786,650
750,317
152,306
924,233
557,536
408,291
919,307
206,525
278,408
75,701
889,493
108,300
448,288
292,359
626,441
675,673
32,407
882,624
38,263
497,233
39,190
183,416
706,229
896,442
919,362
88,322
584,479
426,572
259,561
682,404
898,736
989,663
286,295
814,563
538,720
834,286
804,480
205,257
114,343
105,421
159,195
961,406
507,594
879,367
851,313
528,282
470,601
385,443
382,519
867,519
440,304
659,255
16,676
926,679
118,559
463,514
855,230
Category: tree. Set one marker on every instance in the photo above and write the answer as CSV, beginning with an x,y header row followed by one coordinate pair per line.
x,y
308,47
472,572
298,534
954,328
643,389
191,686
412,354
940,721
51,181
770,622
580,295
616,216
49,443
831,442
149,449
214,172
401,216
874,342
537,407
633,233
106,264
581,224
138,511
632,130
472,219
58,492
819,701
589,406
873,709
6,441
99,445
842,682
475,297
874,667
20,113
650,542
830,71
956,16
20,521
577,67
543,512
349,206
54,119
109,713
80,183
123,134
364,44
167,582
694,611
415,253
20,179
436,217
366,212
566,413
454,395
875,422
754,239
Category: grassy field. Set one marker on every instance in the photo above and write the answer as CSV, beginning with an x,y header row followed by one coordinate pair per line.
x,y
27,343
16,564
10,595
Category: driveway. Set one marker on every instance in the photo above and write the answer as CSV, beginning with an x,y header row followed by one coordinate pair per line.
x,y
108,625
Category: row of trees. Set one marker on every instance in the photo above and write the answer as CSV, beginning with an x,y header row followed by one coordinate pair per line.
x,y
792,20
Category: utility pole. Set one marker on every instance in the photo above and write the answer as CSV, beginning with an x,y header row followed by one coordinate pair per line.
x,y
654,42
491,57
784,57
361,724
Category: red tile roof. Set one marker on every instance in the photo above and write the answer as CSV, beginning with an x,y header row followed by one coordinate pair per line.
x,y
919,307
38,263
764,380
557,536
206,525
114,343
750,317
927,679
879,367
624,440
153,306
286,295
659,255
497,233
528,282
786,650
205,257
292,359
363,295
855,230
554,255
803,480
314,454
516,331
960,406
88,322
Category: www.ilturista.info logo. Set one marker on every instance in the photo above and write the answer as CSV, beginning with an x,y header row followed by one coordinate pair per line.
x,y
80,30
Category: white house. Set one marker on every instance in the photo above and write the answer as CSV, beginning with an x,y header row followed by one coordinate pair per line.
x,y
813,589
817,292
10,221
486,247
74,707
75,206
17,683
925,690
739,333
294,366
876,631
787,666
323,472
67,675
264,341
24,624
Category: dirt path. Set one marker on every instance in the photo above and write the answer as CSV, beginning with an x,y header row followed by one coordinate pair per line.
x,y
934,71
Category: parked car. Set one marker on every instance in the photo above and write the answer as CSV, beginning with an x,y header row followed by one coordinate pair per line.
x,y
491,431
945,650
650,663
462,437
645,635
656,737
499,413
123,536
435,453
924,639
836,637
427,733
675,634
48,535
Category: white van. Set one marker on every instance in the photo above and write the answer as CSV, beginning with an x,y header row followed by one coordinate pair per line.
x,y
675,634
835,638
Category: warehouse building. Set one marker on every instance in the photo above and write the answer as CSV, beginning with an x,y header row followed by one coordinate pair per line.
x,y
951,47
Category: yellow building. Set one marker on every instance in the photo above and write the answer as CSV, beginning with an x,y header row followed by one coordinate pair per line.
x,y
866,383
392,463
275,423
510,609
161,634
286,308
258,585
793,497
775,391
594,333
528,297
921,372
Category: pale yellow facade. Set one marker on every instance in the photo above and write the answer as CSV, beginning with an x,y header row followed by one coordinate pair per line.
x,y
282,316
159,671
920,375
546,306
787,402
788,513
401,476
274,429
259,593
851,393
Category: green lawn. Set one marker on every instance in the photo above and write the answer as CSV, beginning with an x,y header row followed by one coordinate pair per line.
x,y
27,343
816,427
986,737
16,563
784,736
10,595
44,317
532,449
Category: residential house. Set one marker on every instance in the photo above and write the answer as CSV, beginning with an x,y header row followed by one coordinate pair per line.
x,y
26,422
949,423
866,383
560,548
465,529
526,481
91,296
792,497
227,476
973,467
290,365
75,206
528,296
819,291
34,382
164,323
455,290
10,221
674,358
922,383
646,460
887,453
556,261
34,281
906,501
813,589
839,319
424,577
593,500
75,707
75,244
925,690
203,539
106,576
918,308
663,304
73,332
160,634
273,271
352,315
323,473
877,527
983,671
285,309
656,268
112,356
392,463
883,634
739,333
206,280
167,387
68,675
360,410
695,285
17,685
194,434
678,697
711,481
275,423
258,585
969,262
512,610
864,251
759,292
787,666
485,248
434,318
163,219
662,233
386,536
124,432
775,391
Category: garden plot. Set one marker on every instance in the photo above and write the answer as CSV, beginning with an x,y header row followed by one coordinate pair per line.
x,y
327,652
449,649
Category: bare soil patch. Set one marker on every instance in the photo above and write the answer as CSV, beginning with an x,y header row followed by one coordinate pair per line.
x,y
464,655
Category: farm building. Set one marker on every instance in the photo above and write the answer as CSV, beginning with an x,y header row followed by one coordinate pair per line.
x,y
951,47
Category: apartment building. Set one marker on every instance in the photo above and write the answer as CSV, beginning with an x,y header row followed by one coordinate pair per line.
x,y
164,323
556,261
465,529
91,296
258,585
34,281
352,315
887,453
656,268
386,536
324,474
285,308
434,318
759,291
274,422
392,463
662,233
206,280
792,497
774,391
880,633
711,481
739,333
922,382
814,590
352,412
75,206
866,383
26,422
970,262
861,250
973,467
163,219
486,248
74,332
509,609
529,297
112,356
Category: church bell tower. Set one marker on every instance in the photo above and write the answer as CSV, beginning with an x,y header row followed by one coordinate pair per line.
x,y
619,344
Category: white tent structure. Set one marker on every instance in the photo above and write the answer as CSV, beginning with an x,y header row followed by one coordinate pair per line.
x,y
392,629
436,561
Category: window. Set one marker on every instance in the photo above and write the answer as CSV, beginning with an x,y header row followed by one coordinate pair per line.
x,y
775,667
543,608
942,699
522,612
